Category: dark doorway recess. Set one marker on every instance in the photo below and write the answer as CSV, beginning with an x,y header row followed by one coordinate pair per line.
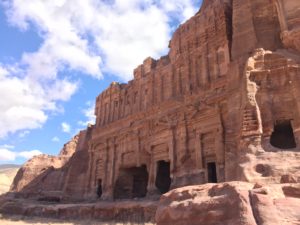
x,y
163,179
212,172
99,188
131,183
283,135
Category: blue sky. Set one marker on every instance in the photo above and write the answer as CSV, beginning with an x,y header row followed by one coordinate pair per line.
x,y
57,56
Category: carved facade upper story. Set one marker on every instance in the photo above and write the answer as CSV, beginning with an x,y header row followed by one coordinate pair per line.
x,y
222,105
199,56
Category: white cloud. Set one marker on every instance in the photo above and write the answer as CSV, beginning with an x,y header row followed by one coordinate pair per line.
x,y
29,154
8,155
3,72
24,102
55,139
7,146
90,36
24,134
89,115
95,36
66,128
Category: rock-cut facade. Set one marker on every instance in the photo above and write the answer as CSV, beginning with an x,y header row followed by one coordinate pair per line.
x,y
222,105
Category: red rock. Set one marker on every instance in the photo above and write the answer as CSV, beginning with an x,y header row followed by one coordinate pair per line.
x,y
221,106
227,204
47,177
288,178
135,212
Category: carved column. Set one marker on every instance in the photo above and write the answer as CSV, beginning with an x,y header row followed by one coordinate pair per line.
x,y
296,93
111,106
152,90
206,62
171,146
220,154
106,112
197,72
113,116
119,106
140,94
91,192
198,151
114,159
105,165
92,171
100,115
281,15
179,82
173,82
190,82
219,146
161,95
138,152
110,169
152,173
212,65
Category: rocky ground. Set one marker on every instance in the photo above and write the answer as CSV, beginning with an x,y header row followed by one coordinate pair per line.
x,y
18,220
229,203
122,212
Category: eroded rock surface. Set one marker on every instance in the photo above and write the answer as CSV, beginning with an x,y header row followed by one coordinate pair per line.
x,y
231,203
222,105
51,177
124,212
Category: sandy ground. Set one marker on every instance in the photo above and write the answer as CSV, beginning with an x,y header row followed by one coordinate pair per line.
x,y
17,220
6,177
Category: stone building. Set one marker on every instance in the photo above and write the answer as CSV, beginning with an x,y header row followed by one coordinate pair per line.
x,y
222,105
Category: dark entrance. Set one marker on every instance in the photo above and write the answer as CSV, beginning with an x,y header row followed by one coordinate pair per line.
x,y
163,179
212,172
283,135
131,183
99,188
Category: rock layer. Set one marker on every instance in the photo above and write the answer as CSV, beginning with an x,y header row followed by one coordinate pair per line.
x,y
222,106
231,203
125,212
53,177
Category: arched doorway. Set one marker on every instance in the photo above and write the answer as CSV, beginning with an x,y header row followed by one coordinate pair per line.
x,y
163,179
283,135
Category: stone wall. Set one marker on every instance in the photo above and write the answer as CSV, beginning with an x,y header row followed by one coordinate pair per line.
x,y
223,105
170,110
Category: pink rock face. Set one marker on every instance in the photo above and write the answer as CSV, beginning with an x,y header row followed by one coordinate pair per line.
x,y
122,213
231,203
51,177
222,105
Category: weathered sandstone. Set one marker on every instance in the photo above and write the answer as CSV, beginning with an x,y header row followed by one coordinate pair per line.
x,y
133,212
233,203
51,177
223,105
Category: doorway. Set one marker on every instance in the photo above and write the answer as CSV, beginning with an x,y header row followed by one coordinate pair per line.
x,y
163,179
99,188
131,183
283,135
212,172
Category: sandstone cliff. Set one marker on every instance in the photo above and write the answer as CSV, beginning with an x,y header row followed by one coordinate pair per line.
x,y
222,106
49,177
